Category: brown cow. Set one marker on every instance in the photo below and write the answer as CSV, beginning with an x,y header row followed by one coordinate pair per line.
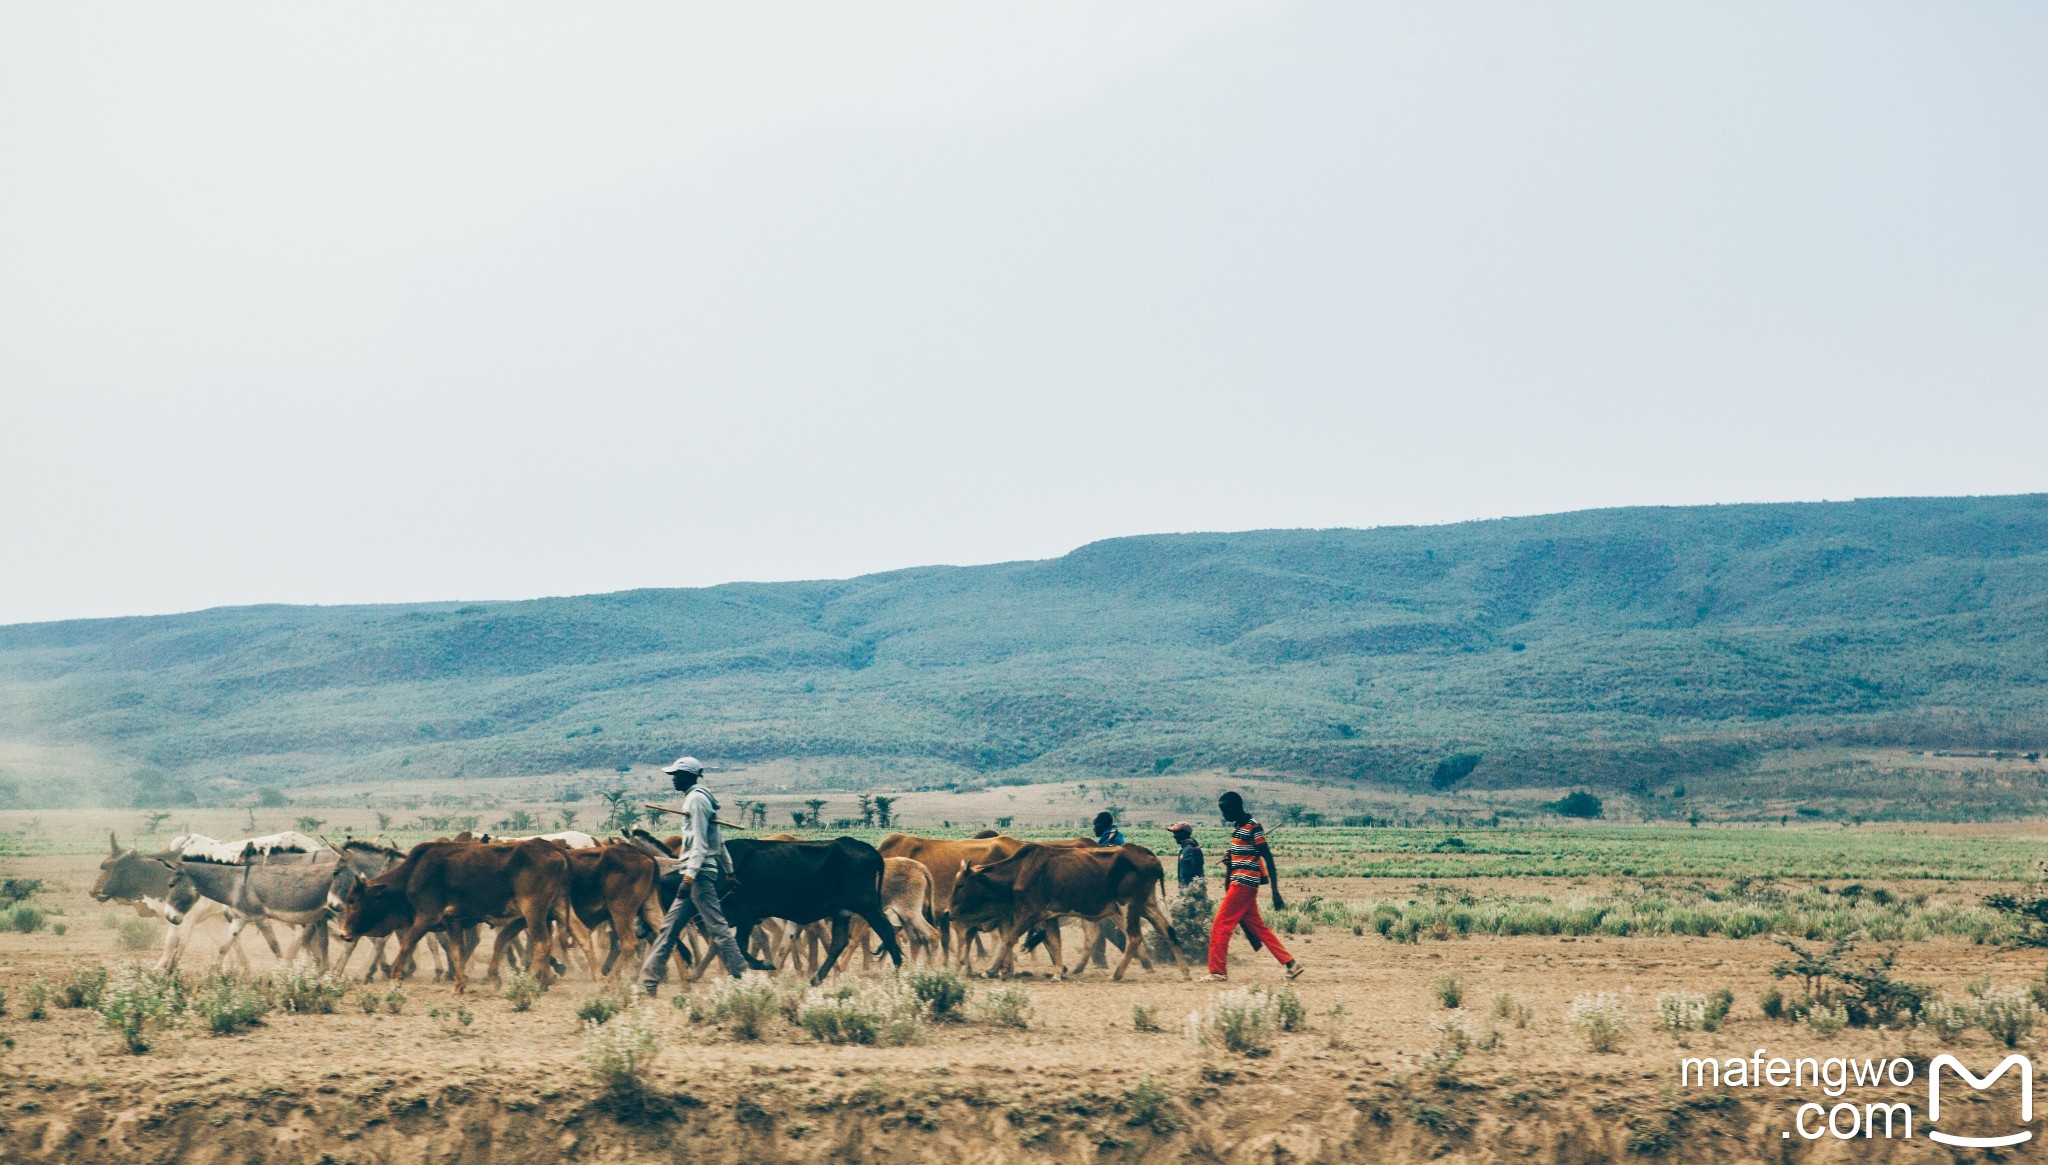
x,y
942,858
907,891
1039,884
463,882
612,883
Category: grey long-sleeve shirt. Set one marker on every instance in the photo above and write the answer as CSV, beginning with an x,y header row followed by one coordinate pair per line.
x,y
703,841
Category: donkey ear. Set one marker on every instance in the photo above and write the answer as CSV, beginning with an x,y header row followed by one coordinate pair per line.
x,y
113,845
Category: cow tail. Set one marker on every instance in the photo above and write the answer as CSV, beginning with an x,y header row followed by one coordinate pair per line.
x,y
1159,898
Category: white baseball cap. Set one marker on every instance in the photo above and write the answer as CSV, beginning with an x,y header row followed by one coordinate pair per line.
x,y
686,764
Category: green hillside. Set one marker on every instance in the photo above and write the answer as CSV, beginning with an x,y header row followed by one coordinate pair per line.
x,y
1614,649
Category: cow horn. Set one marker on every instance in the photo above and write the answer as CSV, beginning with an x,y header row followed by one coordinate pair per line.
x,y
112,844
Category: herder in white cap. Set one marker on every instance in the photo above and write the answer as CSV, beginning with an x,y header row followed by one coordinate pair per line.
x,y
707,874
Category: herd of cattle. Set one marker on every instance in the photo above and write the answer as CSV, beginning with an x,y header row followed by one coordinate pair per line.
x,y
790,901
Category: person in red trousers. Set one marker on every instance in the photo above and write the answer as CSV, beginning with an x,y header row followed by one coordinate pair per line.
x,y
1247,865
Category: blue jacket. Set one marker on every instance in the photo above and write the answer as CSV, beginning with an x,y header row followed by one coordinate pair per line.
x,y
1114,836
1190,861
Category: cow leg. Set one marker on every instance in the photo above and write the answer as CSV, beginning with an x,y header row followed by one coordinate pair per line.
x,y
624,937
963,941
886,931
408,940
814,936
857,934
1004,964
840,931
544,937
1157,917
580,935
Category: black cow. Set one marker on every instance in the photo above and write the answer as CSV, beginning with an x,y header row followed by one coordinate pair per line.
x,y
802,882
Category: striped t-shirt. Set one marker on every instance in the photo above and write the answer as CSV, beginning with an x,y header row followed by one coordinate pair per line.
x,y
1241,860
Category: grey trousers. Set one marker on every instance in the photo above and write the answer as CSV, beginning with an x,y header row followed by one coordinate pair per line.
x,y
699,900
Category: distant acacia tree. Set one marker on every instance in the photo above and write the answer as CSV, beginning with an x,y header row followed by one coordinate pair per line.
x,y
817,805
620,813
867,810
1452,769
883,811
1577,804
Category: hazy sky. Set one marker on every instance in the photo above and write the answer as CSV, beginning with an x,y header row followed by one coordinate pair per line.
x,y
359,303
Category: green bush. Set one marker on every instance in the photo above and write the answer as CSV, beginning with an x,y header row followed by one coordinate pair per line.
x,y
1507,1007
1948,1020
299,988
864,1012
1826,1020
743,1007
1448,990
82,988
228,1005
943,991
1288,1009
24,918
600,1008
1146,1106
394,1002
2008,1013
137,934
1452,1044
1719,1004
1600,1020
35,1000
137,1002
1143,1018
1242,1021
1772,1004
1678,1012
619,1054
522,989
1005,1007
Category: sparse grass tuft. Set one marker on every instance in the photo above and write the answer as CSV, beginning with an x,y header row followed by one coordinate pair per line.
x,y
522,989
1006,1007
1600,1020
619,1055
1448,990
1507,1007
299,988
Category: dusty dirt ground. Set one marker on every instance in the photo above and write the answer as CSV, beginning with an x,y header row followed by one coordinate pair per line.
x,y
1354,1086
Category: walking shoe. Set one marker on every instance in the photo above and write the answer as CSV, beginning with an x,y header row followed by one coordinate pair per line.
x,y
1219,979
1294,968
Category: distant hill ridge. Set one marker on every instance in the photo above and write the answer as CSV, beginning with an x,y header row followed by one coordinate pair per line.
x,y
1598,647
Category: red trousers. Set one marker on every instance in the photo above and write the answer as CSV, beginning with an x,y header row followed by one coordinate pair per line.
x,y
1240,904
